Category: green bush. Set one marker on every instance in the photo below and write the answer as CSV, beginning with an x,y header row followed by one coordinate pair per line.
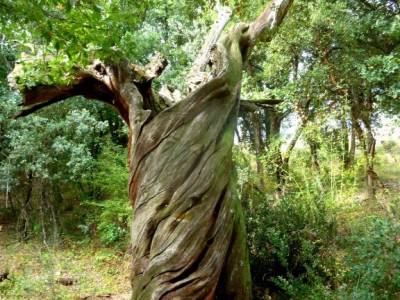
x,y
110,210
374,262
291,242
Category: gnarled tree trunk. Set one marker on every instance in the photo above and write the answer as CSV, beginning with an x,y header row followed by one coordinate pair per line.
x,y
188,236
186,215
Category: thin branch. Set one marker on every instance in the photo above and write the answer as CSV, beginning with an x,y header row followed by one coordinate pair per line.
x,y
293,143
254,105
264,101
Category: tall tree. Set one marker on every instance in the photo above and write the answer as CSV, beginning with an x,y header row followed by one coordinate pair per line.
x,y
188,235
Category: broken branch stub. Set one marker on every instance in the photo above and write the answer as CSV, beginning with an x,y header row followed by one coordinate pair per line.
x,y
198,75
269,20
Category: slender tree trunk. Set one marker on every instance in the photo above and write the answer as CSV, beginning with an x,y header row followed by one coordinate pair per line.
x,y
43,212
314,154
367,142
345,140
274,125
372,177
349,138
286,157
352,150
23,218
259,147
275,121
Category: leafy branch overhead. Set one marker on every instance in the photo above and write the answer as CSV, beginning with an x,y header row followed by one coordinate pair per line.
x,y
100,80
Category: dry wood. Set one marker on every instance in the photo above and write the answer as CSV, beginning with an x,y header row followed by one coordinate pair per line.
x,y
269,20
198,75
67,281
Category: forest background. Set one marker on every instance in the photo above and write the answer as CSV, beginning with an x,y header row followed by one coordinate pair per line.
x,y
317,149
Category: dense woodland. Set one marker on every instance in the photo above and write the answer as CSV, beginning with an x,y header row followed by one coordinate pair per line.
x,y
315,147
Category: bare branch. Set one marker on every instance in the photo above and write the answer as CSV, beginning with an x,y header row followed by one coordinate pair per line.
x,y
265,26
269,20
41,96
98,82
152,70
197,74
170,95
292,143
254,105
264,101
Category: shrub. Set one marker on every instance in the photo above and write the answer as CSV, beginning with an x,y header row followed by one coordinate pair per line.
x,y
110,208
374,262
292,241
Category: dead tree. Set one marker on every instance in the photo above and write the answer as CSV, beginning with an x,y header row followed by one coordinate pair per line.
x,y
188,235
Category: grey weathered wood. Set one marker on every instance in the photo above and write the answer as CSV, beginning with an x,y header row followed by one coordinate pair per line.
x,y
197,74
269,20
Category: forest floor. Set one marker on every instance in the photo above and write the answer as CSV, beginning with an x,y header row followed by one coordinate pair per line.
x,y
72,271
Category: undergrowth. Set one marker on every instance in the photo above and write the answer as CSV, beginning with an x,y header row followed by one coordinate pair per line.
x,y
322,238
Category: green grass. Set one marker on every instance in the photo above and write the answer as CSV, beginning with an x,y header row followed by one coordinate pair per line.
x,y
35,268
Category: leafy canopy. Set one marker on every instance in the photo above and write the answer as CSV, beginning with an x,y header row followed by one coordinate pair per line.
x,y
54,37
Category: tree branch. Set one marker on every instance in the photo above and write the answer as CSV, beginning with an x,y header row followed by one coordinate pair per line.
x,y
265,26
269,20
41,96
197,75
264,101
292,143
253,105
152,70
107,84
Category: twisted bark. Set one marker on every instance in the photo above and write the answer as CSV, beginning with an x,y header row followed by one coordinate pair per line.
x,y
186,218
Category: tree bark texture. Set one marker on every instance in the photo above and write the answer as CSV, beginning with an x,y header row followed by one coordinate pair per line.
x,y
187,230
